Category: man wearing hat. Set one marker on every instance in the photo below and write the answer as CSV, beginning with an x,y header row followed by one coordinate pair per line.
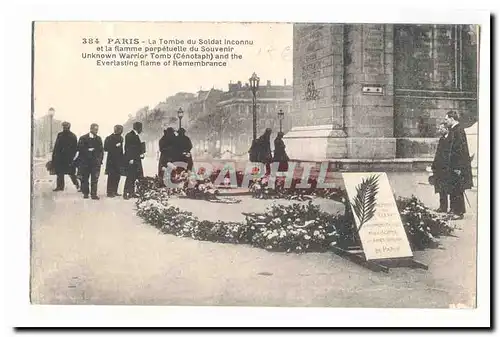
x,y
440,168
90,155
134,153
184,147
62,157
459,163
113,145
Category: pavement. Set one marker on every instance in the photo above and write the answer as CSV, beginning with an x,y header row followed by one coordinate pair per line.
x,y
100,252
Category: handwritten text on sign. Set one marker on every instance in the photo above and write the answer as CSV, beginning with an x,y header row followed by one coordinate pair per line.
x,y
380,228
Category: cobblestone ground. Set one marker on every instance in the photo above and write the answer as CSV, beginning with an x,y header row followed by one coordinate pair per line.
x,y
99,252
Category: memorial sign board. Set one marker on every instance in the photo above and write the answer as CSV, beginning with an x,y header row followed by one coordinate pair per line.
x,y
377,217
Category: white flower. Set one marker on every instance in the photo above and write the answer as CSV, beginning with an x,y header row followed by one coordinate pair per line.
x,y
272,235
316,233
307,237
307,223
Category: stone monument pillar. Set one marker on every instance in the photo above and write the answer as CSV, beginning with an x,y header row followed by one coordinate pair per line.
x,y
318,90
343,92
365,93
369,91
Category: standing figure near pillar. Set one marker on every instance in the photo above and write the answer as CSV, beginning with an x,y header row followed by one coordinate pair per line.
x,y
113,145
167,146
460,165
184,147
280,155
440,168
263,149
90,155
63,155
134,153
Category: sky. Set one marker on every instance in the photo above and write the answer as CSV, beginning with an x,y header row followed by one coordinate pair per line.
x,y
83,93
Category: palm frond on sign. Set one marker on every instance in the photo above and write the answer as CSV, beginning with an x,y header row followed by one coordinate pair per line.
x,y
364,202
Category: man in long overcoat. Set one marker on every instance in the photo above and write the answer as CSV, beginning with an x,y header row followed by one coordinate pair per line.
x,y
440,168
184,147
63,155
134,153
280,155
168,154
460,165
113,145
90,155
264,153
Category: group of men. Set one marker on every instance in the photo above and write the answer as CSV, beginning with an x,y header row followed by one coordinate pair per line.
x,y
174,148
86,155
452,171
260,151
451,167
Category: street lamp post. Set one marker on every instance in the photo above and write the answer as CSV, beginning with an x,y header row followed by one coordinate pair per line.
x,y
51,114
281,116
180,114
254,85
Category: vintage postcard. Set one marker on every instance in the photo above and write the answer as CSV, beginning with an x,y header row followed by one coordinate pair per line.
x,y
301,164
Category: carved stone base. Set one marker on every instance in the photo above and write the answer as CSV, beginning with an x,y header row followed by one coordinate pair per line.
x,y
416,147
371,148
315,143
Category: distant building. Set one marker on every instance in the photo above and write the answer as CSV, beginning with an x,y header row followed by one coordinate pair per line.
x,y
218,123
203,129
163,115
234,115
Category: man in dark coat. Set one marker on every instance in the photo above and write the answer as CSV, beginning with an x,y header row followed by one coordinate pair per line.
x,y
264,154
440,168
253,152
184,147
459,164
134,153
90,155
113,145
264,146
280,155
167,146
63,155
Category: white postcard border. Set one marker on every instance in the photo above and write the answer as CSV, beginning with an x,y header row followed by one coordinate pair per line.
x,y
17,183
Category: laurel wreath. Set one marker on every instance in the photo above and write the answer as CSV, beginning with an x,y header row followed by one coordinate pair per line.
x,y
364,202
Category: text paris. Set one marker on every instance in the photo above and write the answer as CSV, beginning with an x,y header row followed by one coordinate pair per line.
x,y
123,41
